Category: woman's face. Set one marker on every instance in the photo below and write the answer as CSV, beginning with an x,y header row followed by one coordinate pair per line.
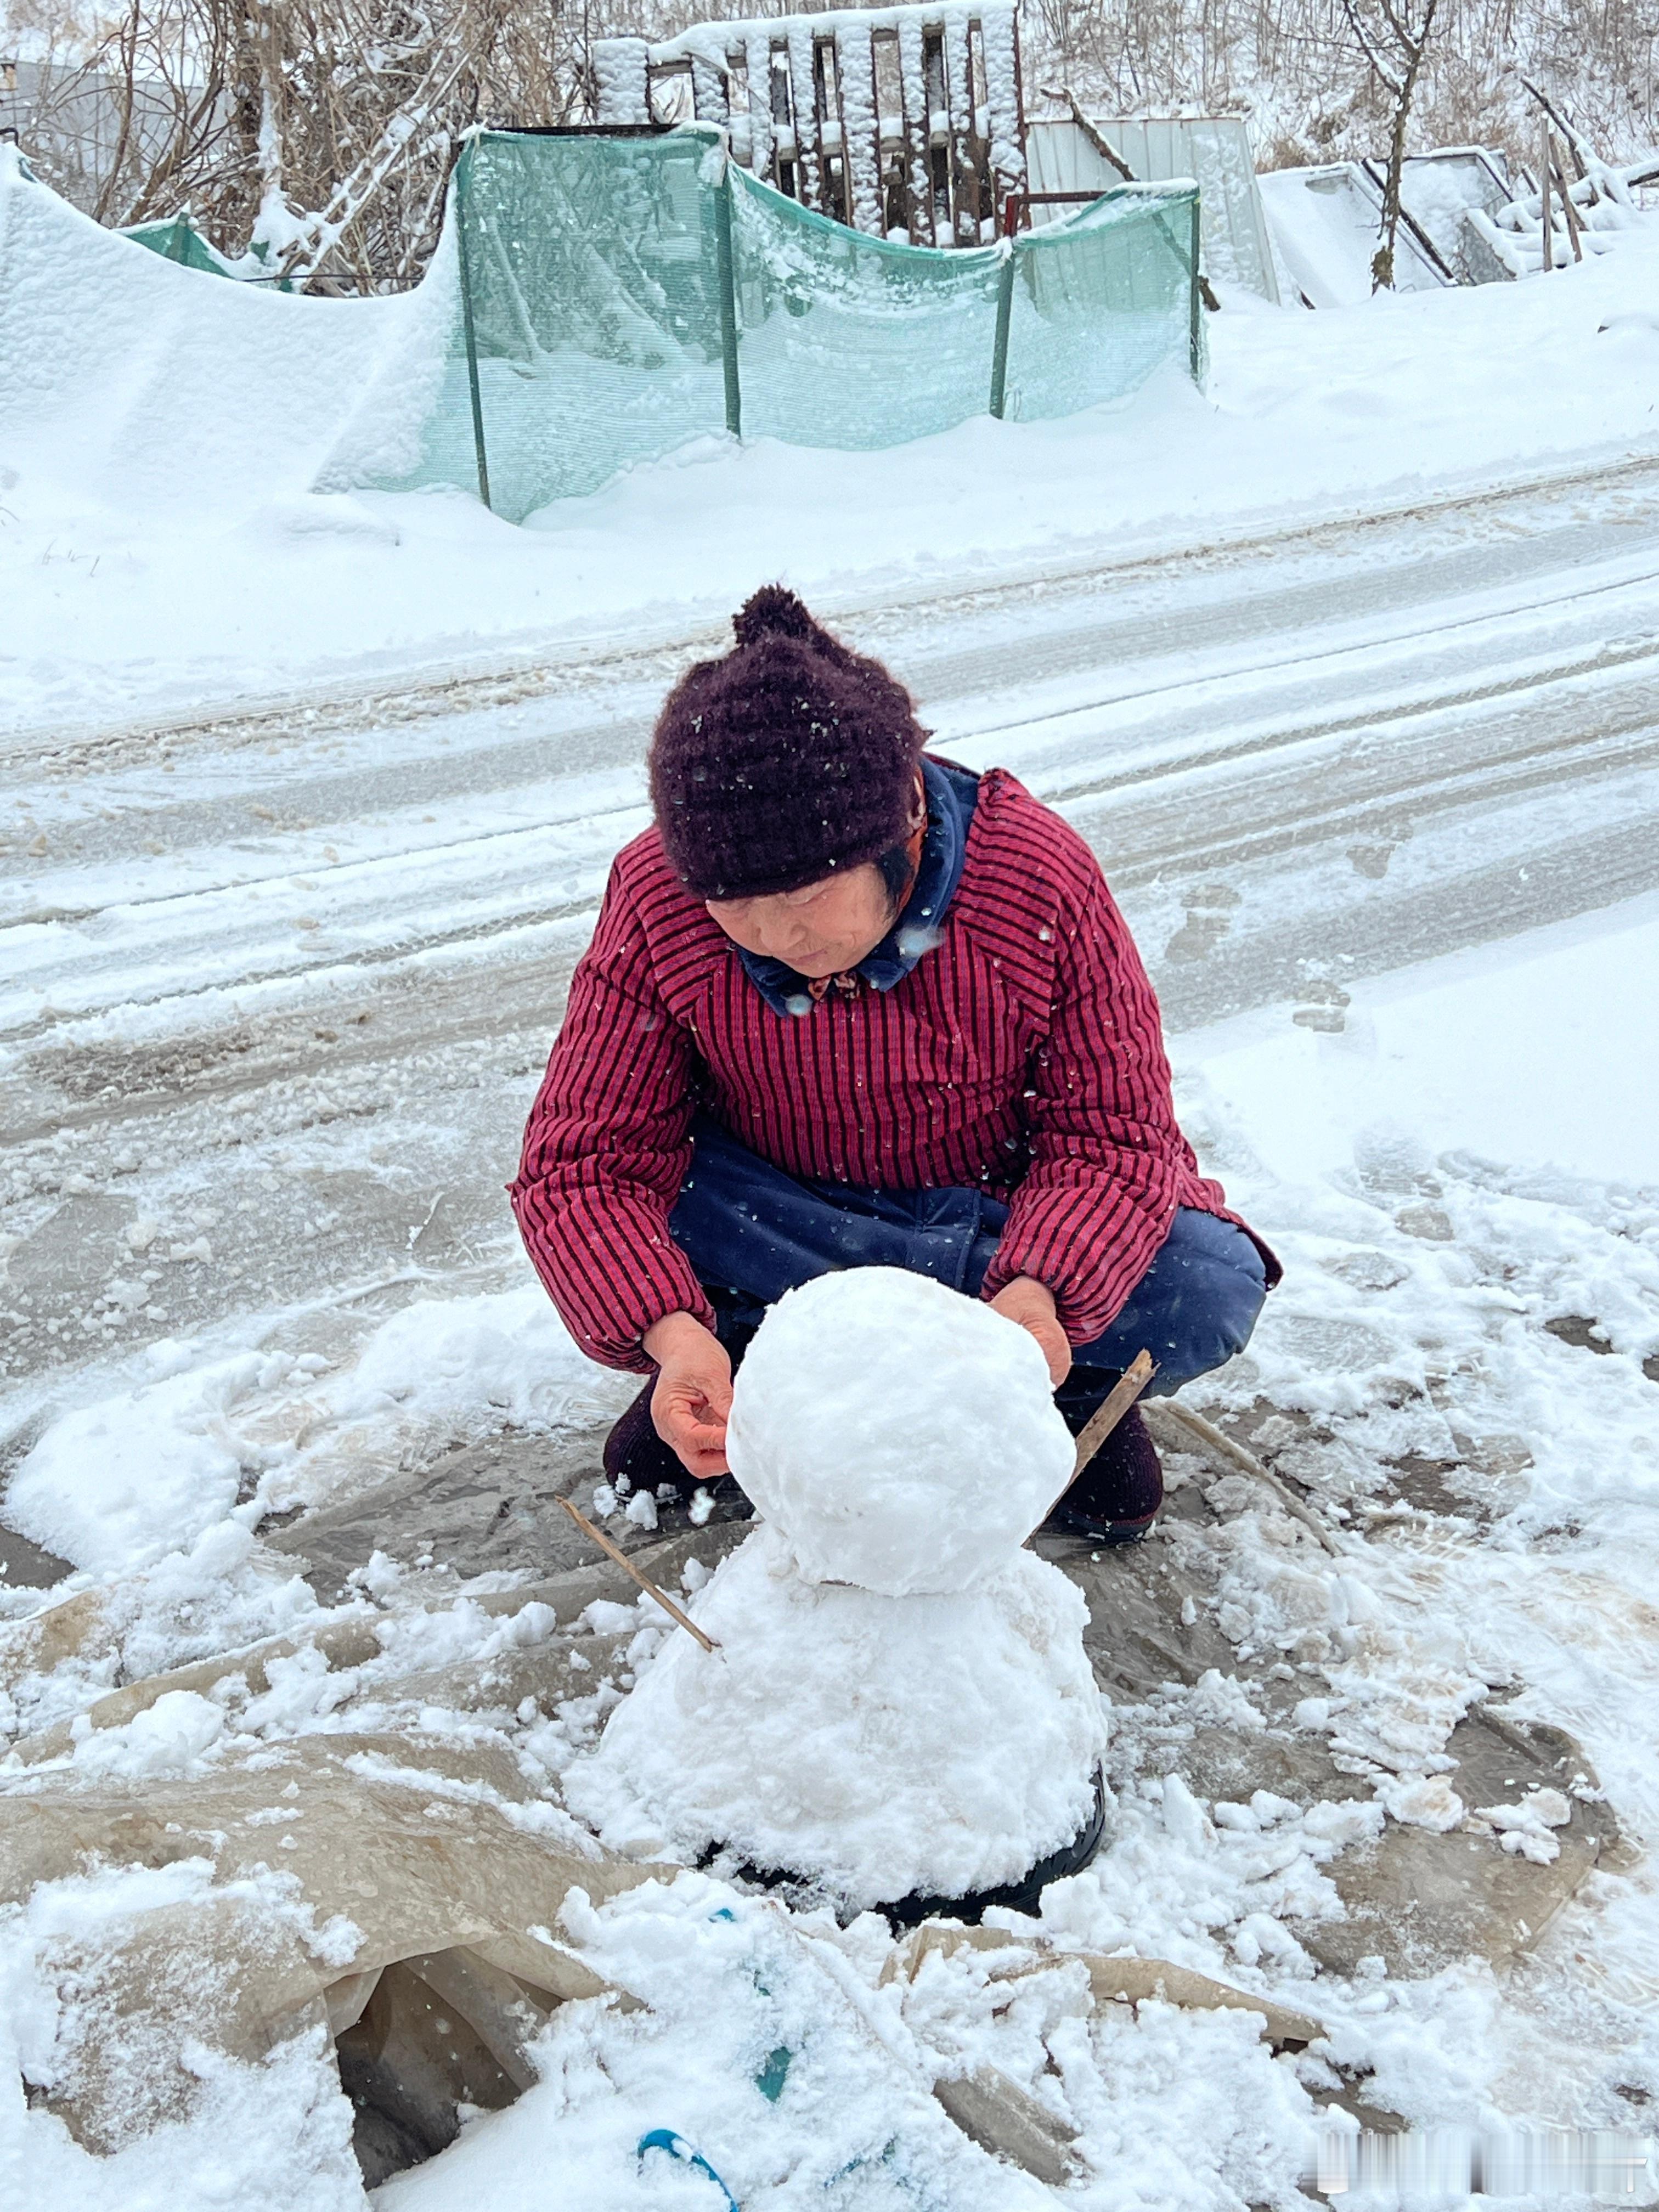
x,y
824,930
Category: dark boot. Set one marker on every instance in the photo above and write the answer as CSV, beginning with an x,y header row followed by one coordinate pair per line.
x,y
1116,1497
634,1451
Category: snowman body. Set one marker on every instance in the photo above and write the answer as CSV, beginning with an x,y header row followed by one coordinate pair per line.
x,y
900,1702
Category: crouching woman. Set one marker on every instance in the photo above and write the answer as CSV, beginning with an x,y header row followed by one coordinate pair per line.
x,y
850,1004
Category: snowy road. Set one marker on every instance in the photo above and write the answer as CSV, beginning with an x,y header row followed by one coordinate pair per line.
x,y
268,1042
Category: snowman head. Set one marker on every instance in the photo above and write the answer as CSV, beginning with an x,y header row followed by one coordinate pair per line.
x,y
898,1435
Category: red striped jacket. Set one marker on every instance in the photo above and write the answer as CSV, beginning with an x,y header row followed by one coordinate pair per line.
x,y
1024,1053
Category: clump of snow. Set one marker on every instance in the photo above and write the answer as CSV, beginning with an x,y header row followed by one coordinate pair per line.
x,y
1002,95
898,1435
1525,1828
505,1353
1420,1801
620,81
114,1484
167,1738
880,1744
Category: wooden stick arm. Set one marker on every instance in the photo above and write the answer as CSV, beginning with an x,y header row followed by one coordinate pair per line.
x,y
599,1537
1104,1419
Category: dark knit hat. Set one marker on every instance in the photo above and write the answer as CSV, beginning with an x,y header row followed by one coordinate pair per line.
x,y
788,759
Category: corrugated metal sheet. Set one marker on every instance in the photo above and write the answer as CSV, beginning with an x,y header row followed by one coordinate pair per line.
x,y
1214,149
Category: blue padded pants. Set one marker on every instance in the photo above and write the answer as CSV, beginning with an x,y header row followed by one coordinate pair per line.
x,y
753,1232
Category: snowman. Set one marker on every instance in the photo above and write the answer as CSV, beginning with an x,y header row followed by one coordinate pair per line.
x,y
900,1707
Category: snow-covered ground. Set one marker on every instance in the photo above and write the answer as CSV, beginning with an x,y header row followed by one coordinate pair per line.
x,y
1441,1191
174,556
1381,797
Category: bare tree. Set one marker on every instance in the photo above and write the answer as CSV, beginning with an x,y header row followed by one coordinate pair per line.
x,y
1298,69
319,133
316,134
1394,37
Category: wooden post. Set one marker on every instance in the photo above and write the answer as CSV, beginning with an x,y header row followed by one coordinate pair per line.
x,y
1005,317
1574,226
959,105
824,50
849,208
855,51
803,107
918,174
1548,232
1196,328
936,114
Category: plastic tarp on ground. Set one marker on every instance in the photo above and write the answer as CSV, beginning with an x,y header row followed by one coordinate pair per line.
x,y
625,294
1214,150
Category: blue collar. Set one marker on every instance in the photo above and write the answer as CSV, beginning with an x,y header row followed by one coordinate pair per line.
x,y
951,794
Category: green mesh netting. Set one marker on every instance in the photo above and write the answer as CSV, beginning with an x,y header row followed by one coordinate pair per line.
x,y
177,239
848,340
1101,300
626,294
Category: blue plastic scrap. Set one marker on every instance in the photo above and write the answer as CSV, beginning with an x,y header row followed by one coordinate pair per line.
x,y
688,2155
775,2072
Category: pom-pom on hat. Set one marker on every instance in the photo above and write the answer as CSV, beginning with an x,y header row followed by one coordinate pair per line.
x,y
785,762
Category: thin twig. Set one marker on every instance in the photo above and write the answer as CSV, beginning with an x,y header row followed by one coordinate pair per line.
x,y
1389,81
644,1581
1572,136
1219,1441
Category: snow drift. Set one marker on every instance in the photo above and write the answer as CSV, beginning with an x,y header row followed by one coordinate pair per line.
x,y
138,383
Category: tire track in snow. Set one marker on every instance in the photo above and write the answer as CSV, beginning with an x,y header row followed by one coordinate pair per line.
x,y
1288,770
383,909
1195,819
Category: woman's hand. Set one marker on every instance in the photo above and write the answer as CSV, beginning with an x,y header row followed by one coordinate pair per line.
x,y
1031,1305
693,1394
